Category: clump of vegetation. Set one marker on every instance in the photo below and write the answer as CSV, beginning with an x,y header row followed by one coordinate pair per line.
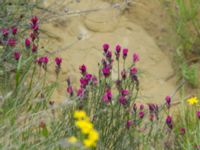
x,y
101,114
185,14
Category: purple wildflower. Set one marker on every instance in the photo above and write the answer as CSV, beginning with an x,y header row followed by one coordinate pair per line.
x,y
135,58
105,47
122,100
27,42
124,92
83,69
58,61
17,55
117,51
128,124
168,101
107,97
141,114
11,42
106,71
198,114
125,53
169,122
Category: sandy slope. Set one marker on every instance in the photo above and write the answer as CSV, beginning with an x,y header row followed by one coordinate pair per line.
x,y
78,40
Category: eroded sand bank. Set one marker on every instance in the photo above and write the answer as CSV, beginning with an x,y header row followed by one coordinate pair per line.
x,y
78,40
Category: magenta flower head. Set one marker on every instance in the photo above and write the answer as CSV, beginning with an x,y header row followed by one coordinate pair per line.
x,y
182,131
124,92
17,55
125,53
27,42
141,114
128,124
117,51
14,30
198,114
105,47
107,97
83,82
88,77
169,122
83,69
34,48
168,101
122,100
133,71
11,42
141,107
34,20
39,61
80,93
34,23
135,57
45,60
106,71
5,32
58,61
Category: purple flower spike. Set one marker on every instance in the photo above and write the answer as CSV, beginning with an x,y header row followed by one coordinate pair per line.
x,y
58,61
141,114
168,101
83,69
122,100
27,42
169,122
17,55
125,53
106,71
135,58
107,97
105,47
128,124
198,114
14,30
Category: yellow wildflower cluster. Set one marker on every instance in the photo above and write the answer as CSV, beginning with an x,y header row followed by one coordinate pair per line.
x,y
86,127
193,100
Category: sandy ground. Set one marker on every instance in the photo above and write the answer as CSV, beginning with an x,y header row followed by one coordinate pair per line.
x,y
142,27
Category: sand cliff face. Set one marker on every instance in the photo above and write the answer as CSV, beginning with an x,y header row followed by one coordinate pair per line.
x,y
78,39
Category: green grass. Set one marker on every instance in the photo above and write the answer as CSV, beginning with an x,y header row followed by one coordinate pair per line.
x,y
30,120
185,17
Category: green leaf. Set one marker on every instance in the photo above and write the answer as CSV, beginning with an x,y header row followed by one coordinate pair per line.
x,y
45,132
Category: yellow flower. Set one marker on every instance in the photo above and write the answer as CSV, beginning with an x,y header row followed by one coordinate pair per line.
x,y
80,115
94,135
72,139
84,125
89,143
193,100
